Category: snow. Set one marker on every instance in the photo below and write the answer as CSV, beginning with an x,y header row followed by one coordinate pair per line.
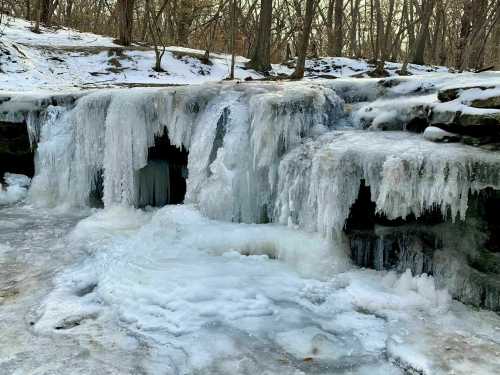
x,y
337,67
392,112
62,59
455,106
17,30
435,134
467,96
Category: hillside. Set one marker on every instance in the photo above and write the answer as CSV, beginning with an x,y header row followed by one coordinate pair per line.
x,y
65,58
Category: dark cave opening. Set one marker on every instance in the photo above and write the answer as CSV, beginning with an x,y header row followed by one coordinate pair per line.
x,y
381,243
163,180
16,155
426,244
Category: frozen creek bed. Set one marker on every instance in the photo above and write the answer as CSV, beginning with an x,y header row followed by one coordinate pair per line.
x,y
167,291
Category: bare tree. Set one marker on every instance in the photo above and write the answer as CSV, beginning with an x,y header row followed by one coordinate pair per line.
x,y
304,40
465,29
461,33
125,10
233,39
45,9
338,42
261,55
425,14
496,39
329,28
155,31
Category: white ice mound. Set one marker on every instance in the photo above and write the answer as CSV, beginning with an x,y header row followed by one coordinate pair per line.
x,y
205,293
16,188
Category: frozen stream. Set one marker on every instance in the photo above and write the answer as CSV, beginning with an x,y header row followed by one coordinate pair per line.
x,y
34,248
168,291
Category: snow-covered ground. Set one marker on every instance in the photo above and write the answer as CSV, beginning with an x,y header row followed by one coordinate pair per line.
x,y
65,58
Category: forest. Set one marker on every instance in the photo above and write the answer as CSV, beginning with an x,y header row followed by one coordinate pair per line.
x,y
463,34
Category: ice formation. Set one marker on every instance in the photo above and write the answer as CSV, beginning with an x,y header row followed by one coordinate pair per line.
x,y
16,188
257,153
235,135
230,298
319,181
201,287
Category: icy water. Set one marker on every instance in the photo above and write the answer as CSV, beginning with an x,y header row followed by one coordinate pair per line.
x,y
33,249
168,291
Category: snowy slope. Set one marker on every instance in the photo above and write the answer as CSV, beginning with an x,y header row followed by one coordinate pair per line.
x,y
66,58
62,58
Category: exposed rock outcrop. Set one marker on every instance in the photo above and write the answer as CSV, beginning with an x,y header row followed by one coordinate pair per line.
x,y
450,94
491,102
462,256
472,112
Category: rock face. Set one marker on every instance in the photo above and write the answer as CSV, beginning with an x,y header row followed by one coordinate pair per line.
x,y
471,112
486,121
16,155
478,124
450,94
491,102
462,256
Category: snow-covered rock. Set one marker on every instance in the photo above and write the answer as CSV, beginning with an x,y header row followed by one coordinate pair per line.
x,y
435,134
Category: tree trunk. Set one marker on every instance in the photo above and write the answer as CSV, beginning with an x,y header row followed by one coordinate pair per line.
x,y
436,40
125,21
388,33
68,12
184,21
479,19
304,41
339,37
233,39
43,14
423,36
28,10
354,27
329,29
496,39
380,30
465,28
410,25
261,56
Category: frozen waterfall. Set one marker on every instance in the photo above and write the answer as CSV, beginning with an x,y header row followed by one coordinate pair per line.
x,y
257,153
235,135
